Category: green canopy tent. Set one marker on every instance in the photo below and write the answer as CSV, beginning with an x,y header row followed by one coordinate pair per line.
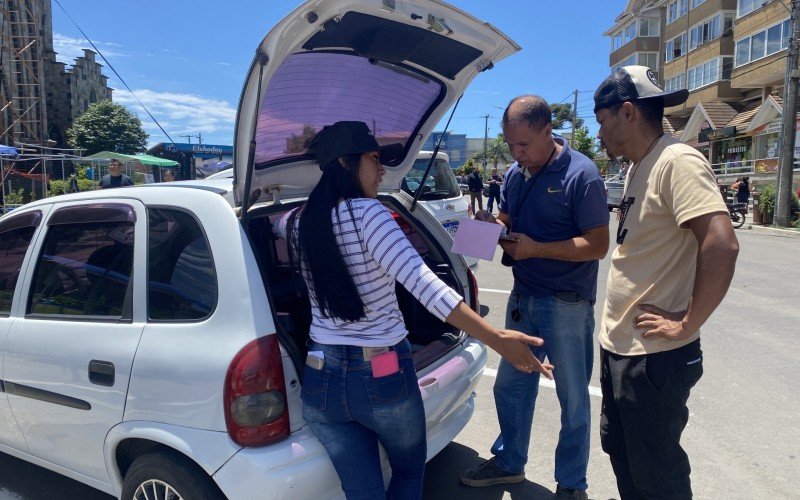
x,y
146,161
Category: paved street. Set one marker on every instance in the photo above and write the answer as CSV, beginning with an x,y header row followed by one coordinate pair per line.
x,y
742,436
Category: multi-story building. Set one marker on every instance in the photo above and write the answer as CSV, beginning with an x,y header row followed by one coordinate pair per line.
x,y
731,56
455,145
39,96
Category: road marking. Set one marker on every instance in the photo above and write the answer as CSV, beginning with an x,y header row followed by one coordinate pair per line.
x,y
492,290
593,391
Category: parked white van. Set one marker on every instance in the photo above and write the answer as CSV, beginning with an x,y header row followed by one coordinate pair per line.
x,y
441,195
152,337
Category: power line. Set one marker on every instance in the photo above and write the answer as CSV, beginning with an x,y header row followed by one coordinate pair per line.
x,y
115,72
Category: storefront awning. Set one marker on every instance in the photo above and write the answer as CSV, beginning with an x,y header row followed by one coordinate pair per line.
x,y
770,110
716,113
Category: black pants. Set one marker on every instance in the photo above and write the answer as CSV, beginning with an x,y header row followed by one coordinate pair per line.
x,y
643,415
492,198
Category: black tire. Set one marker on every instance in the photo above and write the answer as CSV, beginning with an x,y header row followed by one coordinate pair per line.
x,y
157,470
737,218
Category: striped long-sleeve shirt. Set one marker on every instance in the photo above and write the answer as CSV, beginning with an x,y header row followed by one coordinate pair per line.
x,y
377,253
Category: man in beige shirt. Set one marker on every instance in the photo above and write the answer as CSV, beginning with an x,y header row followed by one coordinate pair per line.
x,y
672,267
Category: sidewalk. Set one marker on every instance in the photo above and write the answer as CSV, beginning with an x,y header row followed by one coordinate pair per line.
x,y
777,231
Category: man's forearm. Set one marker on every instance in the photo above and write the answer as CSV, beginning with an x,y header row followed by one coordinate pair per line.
x,y
716,263
579,249
591,245
717,249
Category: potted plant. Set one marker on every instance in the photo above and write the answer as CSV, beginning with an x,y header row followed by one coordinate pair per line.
x,y
767,203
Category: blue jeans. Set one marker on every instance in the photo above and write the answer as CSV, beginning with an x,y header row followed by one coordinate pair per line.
x,y
565,322
350,412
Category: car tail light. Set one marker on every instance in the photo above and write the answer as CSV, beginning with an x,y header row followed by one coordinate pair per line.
x,y
255,394
473,291
404,225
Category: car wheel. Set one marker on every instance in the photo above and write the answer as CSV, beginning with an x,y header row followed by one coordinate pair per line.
x,y
167,476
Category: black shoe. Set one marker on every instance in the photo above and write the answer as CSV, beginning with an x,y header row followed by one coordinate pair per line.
x,y
563,493
487,474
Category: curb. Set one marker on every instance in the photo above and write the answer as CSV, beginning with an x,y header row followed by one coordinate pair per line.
x,y
792,233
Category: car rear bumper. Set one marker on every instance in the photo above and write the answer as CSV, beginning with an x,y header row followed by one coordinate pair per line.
x,y
298,467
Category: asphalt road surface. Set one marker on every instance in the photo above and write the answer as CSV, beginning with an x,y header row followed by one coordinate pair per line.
x,y
743,436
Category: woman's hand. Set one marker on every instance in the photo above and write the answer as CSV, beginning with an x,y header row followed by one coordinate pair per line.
x,y
513,346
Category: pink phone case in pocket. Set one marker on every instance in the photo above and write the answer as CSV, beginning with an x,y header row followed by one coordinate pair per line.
x,y
385,364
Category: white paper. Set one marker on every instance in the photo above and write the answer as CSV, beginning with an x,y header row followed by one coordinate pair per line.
x,y
476,238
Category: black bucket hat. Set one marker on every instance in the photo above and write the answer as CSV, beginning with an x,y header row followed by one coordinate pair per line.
x,y
634,83
346,138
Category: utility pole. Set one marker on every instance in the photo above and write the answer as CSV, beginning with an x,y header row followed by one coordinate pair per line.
x,y
783,198
574,119
485,142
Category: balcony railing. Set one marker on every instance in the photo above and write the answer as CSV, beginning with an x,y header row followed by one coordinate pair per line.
x,y
762,166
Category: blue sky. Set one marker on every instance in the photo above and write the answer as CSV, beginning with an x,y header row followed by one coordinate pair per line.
x,y
186,60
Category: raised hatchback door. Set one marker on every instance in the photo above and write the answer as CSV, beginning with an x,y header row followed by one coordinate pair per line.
x,y
68,357
397,66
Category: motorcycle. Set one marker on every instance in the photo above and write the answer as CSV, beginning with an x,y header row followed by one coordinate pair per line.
x,y
738,213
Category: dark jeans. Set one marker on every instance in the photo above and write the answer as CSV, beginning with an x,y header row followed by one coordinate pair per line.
x,y
351,412
492,198
643,415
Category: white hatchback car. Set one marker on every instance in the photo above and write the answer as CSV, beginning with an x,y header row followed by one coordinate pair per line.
x,y
151,338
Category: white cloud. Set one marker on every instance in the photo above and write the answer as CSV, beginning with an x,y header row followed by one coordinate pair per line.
x,y
181,114
69,48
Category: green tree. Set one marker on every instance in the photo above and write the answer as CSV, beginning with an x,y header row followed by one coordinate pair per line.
x,y
299,143
585,143
106,126
562,114
496,152
466,168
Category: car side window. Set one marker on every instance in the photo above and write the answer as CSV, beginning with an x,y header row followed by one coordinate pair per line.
x,y
84,267
181,278
16,233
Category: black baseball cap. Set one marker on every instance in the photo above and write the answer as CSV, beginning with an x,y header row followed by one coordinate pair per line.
x,y
346,138
634,83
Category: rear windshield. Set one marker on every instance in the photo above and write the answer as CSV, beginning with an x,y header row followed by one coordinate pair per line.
x,y
440,184
311,90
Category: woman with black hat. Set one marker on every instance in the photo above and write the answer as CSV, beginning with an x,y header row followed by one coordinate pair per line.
x,y
359,384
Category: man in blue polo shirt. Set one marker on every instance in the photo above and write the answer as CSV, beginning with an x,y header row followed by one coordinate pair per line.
x,y
553,204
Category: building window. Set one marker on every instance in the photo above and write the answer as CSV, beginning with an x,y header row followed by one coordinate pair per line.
x,y
710,29
709,72
629,61
649,26
764,43
745,7
695,3
675,83
630,33
675,10
649,59
675,48
616,41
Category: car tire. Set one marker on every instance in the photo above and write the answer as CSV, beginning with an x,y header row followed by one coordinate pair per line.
x,y
167,475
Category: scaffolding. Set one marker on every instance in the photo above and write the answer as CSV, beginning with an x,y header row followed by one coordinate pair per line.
x,y
22,110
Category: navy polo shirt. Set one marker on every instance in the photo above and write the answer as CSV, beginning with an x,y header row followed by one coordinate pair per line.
x,y
565,199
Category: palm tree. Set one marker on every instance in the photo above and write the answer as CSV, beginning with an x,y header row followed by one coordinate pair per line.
x,y
496,152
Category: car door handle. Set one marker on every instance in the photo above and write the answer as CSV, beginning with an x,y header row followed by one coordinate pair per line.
x,y
101,373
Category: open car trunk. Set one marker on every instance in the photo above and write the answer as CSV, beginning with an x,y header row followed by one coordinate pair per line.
x,y
430,338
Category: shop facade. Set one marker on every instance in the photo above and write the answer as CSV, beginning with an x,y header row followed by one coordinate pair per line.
x,y
196,160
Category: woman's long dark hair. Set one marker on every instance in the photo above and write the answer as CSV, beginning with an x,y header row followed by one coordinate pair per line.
x,y
334,287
